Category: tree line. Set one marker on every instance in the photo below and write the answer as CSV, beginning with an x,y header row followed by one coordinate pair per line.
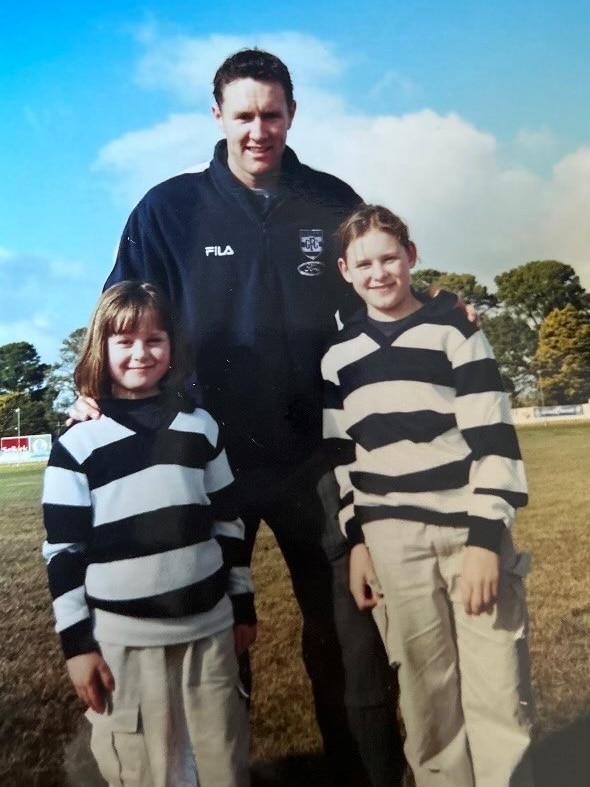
x,y
537,321
40,392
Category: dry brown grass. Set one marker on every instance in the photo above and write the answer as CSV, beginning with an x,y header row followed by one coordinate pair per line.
x,y
39,715
555,529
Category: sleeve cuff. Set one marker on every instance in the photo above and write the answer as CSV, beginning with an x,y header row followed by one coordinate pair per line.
x,y
244,610
354,532
485,533
78,639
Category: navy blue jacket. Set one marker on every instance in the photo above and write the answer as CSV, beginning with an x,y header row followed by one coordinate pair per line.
x,y
256,292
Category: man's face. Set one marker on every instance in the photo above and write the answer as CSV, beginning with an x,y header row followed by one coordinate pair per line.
x,y
255,118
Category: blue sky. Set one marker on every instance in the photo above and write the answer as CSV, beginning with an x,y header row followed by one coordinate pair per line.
x,y
470,119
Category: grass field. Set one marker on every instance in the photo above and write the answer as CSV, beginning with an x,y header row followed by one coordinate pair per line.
x,y
40,716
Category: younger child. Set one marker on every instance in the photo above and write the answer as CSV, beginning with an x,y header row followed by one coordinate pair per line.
x,y
144,553
429,492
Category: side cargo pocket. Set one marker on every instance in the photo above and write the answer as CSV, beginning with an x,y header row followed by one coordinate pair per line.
x,y
118,745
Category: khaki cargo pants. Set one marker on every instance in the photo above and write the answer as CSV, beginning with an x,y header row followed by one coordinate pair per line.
x,y
464,680
172,705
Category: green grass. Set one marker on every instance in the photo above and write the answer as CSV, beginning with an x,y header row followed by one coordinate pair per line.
x,y
39,713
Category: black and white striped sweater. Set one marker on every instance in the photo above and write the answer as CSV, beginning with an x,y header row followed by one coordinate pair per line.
x,y
420,425
144,545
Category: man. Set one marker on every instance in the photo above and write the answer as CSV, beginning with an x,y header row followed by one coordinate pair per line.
x,y
245,252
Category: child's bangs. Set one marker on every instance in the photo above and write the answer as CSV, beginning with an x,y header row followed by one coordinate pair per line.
x,y
128,318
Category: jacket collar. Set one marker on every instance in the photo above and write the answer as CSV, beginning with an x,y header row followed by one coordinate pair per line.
x,y
291,169
438,306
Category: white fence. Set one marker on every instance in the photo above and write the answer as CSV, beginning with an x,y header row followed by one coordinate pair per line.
x,y
558,412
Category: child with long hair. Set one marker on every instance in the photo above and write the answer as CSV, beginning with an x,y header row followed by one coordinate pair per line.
x,y
151,593
431,474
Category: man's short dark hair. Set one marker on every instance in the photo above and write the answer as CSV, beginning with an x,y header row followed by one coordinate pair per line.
x,y
252,64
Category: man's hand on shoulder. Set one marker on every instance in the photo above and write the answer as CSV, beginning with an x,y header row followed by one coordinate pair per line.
x,y
83,409
469,310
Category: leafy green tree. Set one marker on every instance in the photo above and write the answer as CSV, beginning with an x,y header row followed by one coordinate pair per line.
x,y
535,289
34,416
514,343
467,286
23,387
9,403
21,368
562,359
464,284
424,277
60,378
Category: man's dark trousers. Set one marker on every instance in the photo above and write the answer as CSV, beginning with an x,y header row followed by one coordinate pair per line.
x,y
354,689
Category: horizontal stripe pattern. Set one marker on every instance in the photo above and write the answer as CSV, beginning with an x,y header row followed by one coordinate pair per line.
x,y
143,525
70,608
409,397
377,430
197,422
478,377
67,522
217,473
389,364
149,632
409,457
487,407
65,487
344,353
152,489
84,439
148,533
239,581
68,570
430,423
193,599
129,578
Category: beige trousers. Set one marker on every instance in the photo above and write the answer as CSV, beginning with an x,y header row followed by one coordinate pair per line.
x,y
172,705
464,680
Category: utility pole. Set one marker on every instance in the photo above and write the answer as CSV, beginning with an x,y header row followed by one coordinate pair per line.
x,y
540,389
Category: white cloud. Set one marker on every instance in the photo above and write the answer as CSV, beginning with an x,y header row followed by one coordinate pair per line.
x,y
140,159
472,203
394,84
185,66
566,222
537,140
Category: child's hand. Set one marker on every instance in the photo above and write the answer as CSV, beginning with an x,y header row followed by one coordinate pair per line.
x,y
244,637
362,578
92,679
479,579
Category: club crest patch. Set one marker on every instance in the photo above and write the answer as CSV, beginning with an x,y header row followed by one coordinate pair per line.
x,y
311,243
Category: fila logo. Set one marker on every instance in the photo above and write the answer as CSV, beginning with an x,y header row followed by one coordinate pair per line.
x,y
217,251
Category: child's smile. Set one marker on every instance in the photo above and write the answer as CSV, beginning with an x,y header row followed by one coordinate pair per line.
x,y
378,266
138,360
